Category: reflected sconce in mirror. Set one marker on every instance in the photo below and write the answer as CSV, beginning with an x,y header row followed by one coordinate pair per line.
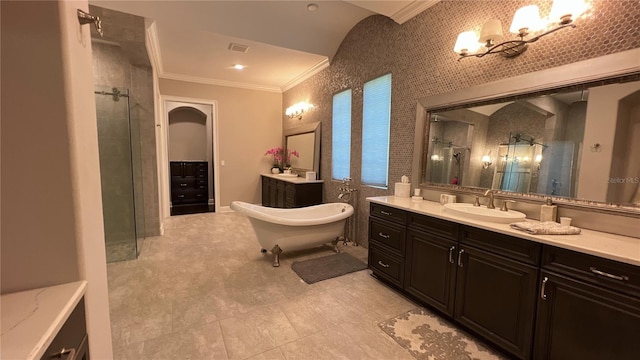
x,y
537,160
526,20
486,161
297,110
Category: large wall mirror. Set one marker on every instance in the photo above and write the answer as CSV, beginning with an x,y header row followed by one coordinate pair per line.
x,y
576,137
305,141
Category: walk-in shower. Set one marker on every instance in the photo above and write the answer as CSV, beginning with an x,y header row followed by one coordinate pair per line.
x,y
120,174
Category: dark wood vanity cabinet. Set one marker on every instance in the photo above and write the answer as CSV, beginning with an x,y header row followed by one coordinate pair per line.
x,y
387,237
189,187
530,300
485,281
496,288
432,248
284,194
72,341
588,308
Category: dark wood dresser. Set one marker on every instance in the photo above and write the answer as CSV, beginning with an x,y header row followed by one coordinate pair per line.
x,y
189,187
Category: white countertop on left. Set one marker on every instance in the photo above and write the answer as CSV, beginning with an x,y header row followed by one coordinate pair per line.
x,y
31,319
292,179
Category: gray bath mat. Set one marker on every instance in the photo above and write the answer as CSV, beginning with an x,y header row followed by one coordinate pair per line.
x,y
327,267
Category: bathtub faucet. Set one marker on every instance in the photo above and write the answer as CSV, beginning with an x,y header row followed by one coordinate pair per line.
x,y
346,189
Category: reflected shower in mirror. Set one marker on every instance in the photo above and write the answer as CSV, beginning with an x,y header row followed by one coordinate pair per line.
x,y
581,144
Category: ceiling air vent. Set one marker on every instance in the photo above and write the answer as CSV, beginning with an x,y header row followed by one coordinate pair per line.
x,y
238,47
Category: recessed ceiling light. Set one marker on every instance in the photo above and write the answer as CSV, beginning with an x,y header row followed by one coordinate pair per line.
x,y
238,67
312,7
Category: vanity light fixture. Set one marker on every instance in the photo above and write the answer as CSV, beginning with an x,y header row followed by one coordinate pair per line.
x,y
486,161
297,110
526,20
238,66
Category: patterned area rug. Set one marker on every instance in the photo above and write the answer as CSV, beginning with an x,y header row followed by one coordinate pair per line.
x,y
427,336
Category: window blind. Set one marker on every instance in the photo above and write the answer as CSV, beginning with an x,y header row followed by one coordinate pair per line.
x,y
376,118
341,136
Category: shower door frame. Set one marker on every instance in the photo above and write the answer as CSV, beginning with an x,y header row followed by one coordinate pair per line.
x,y
163,149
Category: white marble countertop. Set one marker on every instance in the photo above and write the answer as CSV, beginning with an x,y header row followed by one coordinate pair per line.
x,y
295,180
31,319
610,246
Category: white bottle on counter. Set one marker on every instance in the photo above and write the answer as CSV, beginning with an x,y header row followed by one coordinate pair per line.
x,y
548,211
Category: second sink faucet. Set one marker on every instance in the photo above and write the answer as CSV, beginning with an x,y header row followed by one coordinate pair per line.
x,y
489,193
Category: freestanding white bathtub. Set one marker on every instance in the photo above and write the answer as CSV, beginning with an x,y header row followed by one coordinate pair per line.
x,y
281,230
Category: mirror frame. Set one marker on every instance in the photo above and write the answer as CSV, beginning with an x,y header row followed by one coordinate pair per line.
x,y
583,73
315,128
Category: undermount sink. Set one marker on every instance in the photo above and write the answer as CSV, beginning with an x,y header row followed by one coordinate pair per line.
x,y
288,175
484,214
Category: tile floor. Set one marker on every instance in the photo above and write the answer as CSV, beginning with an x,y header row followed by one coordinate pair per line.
x,y
204,291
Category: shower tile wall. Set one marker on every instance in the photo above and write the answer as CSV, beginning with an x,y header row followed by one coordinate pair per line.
x,y
127,66
419,55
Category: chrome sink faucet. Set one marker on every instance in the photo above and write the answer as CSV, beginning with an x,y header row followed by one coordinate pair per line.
x,y
489,194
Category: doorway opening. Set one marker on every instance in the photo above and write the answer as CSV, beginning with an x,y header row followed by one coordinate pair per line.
x,y
189,157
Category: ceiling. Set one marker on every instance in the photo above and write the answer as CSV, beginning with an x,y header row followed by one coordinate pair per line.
x,y
287,43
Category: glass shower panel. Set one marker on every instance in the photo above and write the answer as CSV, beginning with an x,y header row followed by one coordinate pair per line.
x,y
117,173
136,165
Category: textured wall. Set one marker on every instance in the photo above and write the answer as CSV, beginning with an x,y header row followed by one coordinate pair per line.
x,y
127,66
419,55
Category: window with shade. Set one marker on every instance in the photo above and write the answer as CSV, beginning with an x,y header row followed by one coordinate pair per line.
x,y
376,119
341,136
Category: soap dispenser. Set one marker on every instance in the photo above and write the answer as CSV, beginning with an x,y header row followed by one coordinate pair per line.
x,y
548,211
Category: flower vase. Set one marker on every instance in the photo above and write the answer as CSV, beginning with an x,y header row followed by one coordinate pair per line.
x,y
275,169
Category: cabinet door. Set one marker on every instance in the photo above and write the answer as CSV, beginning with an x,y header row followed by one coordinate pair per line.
x,y
431,269
280,194
496,298
265,191
576,320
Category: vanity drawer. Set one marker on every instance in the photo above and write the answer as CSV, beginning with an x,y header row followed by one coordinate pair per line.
x,y
442,228
514,248
188,196
389,234
388,213
178,182
592,269
386,265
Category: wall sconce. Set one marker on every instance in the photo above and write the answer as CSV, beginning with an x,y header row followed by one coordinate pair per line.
x,y
486,161
297,110
525,20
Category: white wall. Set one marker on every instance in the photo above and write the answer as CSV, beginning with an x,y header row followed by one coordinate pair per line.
x,y
249,123
52,230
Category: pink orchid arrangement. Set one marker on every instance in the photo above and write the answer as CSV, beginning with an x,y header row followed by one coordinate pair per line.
x,y
277,154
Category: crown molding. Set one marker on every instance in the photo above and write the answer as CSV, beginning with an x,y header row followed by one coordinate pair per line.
x,y
207,81
153,48
307,74
411,10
